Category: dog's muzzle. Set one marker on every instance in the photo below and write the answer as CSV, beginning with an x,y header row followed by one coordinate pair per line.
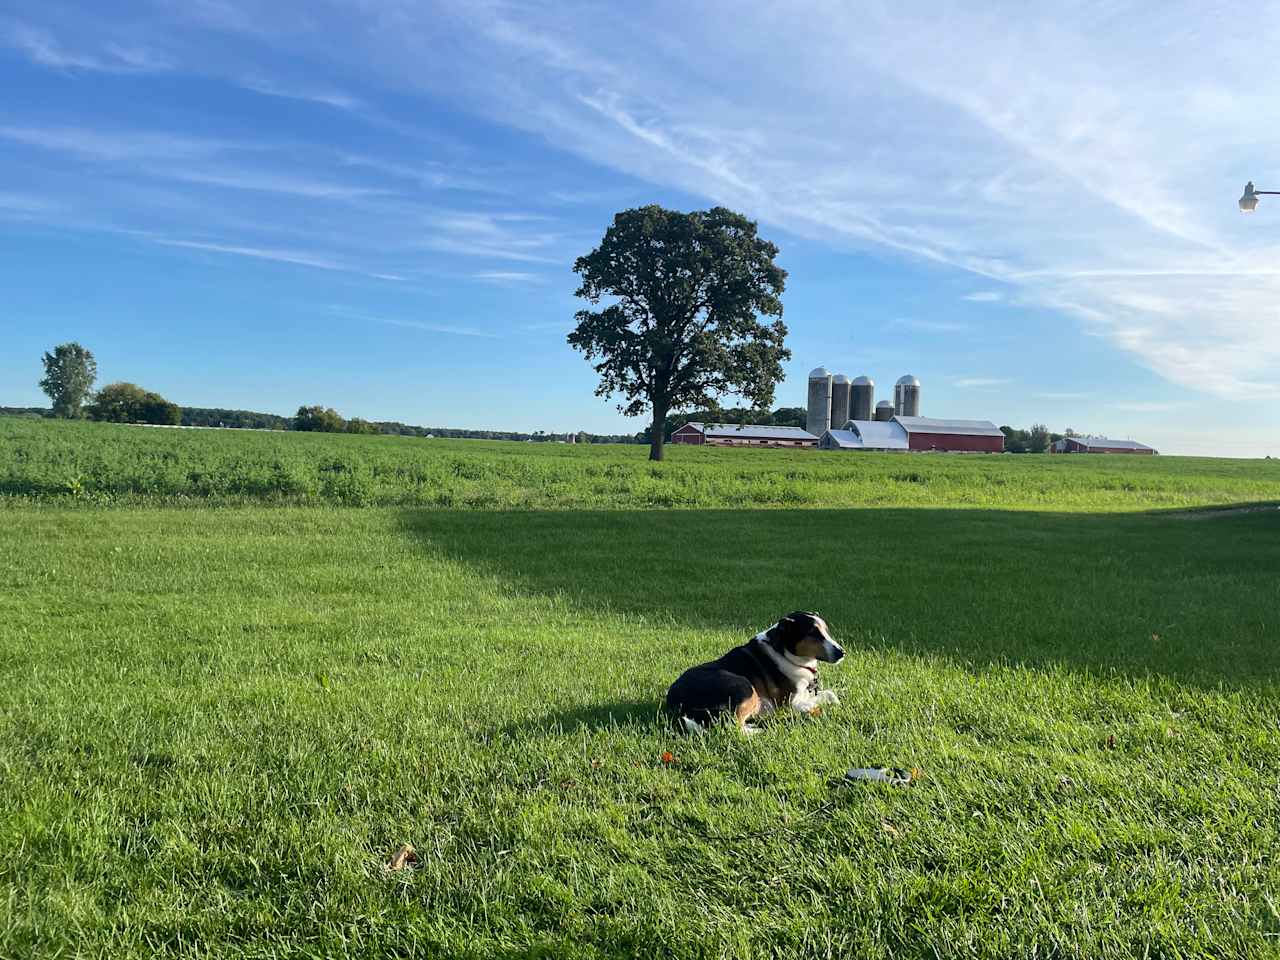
x,y
831,651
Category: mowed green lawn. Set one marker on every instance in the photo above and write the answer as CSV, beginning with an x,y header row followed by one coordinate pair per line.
x,y
219,723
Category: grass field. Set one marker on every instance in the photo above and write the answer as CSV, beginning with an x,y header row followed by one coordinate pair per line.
x,y
220,720
103,463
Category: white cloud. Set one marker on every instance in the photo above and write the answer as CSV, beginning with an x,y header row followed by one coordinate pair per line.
x,y
972,382
425,326
984,296
507,276
43,48
324,96
302,258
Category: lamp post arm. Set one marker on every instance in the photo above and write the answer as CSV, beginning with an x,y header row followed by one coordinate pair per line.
x,y
1273,193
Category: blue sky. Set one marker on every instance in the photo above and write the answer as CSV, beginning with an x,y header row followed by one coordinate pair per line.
x,y
374,204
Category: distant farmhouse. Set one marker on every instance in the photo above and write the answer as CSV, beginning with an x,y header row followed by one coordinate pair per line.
x,y
1100,445
743,435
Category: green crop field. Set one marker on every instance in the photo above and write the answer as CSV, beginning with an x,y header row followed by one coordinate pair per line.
x,y
227,695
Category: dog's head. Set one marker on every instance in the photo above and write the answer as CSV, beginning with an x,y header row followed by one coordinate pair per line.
x,y
804,636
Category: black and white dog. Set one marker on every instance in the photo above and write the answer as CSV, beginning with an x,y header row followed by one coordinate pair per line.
x,y
776,668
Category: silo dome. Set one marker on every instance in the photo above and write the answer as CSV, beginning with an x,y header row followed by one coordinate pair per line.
x,y
818,420
862,395
906,396
839,400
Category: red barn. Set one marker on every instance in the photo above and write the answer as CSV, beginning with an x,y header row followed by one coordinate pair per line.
x,y
743,435
961,436
1100,445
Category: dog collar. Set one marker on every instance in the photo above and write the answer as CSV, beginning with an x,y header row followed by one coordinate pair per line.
x,y
813,670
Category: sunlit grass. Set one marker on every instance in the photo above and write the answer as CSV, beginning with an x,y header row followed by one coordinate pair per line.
x,y
104,464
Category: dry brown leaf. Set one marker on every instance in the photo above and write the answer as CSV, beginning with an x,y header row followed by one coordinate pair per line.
x,y
406,856
889,828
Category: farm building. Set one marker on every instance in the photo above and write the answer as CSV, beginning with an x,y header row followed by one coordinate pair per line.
x,y
743,435
916,433
1100,445
866,435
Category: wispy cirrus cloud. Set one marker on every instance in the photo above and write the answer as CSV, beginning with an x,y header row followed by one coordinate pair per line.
x,y
507,277
41,47
425,326
304,258
980,382
984,296
321,95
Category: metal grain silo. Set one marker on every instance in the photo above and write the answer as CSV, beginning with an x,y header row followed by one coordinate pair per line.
x,y
862,398
884,410
906,397
819,419
839,400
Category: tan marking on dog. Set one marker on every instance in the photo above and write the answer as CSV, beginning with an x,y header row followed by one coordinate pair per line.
x,y
747,709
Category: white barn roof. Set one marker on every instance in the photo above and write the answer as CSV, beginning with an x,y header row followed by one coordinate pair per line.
x,y
868,435
750,431
958,428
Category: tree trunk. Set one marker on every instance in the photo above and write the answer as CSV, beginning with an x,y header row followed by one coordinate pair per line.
x,y
657,434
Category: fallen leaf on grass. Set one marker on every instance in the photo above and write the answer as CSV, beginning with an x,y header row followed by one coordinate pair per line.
x,y
1066,784
669,758
596,764
889,828
406,856
1110,742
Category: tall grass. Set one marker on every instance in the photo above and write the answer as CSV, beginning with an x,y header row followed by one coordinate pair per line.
x,y
42,461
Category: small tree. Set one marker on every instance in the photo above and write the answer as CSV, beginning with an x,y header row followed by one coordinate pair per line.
x,y
156,409
356,425
117,403
129,403
69,373
684,328
318,419
1038,440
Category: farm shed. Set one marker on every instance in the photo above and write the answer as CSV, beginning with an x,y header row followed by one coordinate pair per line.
x,y
1100,445
743,435
865,435
962,436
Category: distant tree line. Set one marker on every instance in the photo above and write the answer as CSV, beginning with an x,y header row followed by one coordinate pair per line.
x,y
70,372
1036,440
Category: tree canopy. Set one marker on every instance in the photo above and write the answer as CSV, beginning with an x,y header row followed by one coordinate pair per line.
x,y
129,403
69,372
319,419
684,328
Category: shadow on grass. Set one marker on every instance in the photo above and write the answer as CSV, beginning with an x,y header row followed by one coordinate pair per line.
x,y
1132,594
621,715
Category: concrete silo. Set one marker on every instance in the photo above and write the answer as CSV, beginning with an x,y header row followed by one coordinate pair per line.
x,y
839,400
862,398
884,410
906,397
819,419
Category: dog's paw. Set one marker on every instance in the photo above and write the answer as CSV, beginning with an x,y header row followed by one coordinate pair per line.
x,y
749,731
827,697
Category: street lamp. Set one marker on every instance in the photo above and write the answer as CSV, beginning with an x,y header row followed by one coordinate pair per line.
x,y
1249,201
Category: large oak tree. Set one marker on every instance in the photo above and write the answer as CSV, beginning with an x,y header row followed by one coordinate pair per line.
x,y
684,327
